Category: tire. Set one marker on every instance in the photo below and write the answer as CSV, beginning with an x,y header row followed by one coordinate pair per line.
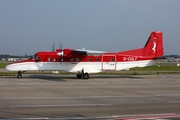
x,y
86,76
19,76
79,75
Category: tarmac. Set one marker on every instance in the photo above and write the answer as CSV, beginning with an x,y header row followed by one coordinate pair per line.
x,y
105,97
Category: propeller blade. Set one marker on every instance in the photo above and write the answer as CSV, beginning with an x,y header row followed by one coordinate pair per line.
x,y
61,46
61,53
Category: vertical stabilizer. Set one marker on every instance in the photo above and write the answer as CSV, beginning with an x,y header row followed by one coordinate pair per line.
x,y
154,45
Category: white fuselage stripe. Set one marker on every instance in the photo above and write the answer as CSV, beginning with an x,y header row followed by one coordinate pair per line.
x,y
90,67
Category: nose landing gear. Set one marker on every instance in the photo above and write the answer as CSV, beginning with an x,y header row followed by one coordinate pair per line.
x,y
19,75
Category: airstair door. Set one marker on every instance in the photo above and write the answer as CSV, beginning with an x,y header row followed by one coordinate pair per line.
x,y
109,62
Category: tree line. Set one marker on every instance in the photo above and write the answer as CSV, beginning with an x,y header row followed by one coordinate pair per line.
x,y
13,56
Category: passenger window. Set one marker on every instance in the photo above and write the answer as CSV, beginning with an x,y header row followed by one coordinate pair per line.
x,y
96,59
49,59
89,59
55,59
112,60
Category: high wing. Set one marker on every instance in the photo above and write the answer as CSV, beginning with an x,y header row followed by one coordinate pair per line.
x,y
88,52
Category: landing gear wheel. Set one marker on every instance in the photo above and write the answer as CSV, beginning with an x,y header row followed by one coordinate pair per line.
x,y
79,75
19,76
86,76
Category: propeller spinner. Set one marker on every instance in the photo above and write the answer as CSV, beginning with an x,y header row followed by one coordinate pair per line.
x,y
61,52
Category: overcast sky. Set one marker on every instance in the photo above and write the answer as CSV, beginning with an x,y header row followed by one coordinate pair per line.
x,y
29,26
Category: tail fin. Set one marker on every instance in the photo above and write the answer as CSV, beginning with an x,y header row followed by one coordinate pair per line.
x,y
154,45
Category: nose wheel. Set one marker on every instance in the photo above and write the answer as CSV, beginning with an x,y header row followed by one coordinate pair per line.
x,y
19,75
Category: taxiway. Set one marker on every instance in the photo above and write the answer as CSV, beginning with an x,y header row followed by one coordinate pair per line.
x,y
100,97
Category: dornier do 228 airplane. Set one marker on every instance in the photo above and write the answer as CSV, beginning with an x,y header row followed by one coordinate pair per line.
x,y
82,62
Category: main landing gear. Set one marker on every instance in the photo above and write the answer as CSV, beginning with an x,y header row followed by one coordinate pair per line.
x,y
83,75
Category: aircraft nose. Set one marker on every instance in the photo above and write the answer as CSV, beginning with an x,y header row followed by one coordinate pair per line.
x,y
8,67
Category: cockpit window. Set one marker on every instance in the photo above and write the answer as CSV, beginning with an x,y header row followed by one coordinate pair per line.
x,y
32,57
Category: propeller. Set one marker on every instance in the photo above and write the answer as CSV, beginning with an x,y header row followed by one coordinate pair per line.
x,y
53,47
61,52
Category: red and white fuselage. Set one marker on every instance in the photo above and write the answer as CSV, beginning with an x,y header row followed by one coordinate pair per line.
x,y
89,61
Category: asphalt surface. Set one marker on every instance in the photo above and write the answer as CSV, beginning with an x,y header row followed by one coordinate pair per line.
x,y
101,97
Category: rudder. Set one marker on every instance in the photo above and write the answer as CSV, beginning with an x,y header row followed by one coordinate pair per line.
x,y
154,45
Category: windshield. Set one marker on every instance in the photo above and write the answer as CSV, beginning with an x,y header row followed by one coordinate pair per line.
x,y
32,57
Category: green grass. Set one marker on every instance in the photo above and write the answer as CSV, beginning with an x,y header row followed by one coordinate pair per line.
x,y
3,65
156,68
7,74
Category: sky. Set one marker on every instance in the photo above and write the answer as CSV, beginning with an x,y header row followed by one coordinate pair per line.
x,y
29,26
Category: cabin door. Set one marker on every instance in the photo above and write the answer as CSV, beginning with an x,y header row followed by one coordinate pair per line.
x,y
109,62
